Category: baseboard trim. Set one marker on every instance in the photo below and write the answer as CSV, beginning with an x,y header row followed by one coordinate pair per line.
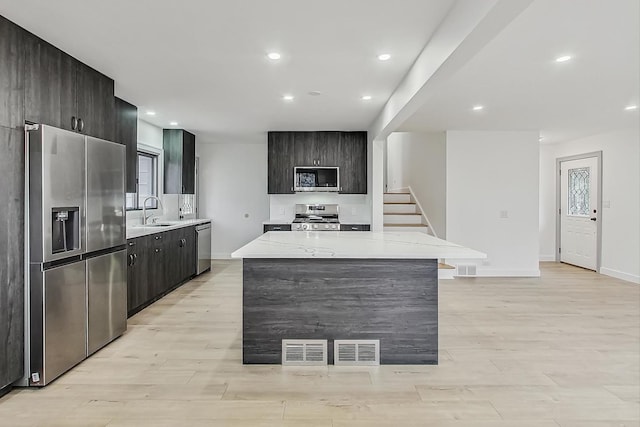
x,y
620,275
547,258
505,273
221,255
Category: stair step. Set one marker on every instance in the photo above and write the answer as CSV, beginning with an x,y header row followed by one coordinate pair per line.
x,y
391,218
400,208
443,266
407,227
397,198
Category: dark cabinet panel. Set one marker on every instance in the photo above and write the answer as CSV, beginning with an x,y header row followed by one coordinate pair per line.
x,y
353,163
138,291
347,150
355,227
281,161
11,261
157,280
276,227
188,253
172,265
11,74
95,103
179,161
126,133
50,89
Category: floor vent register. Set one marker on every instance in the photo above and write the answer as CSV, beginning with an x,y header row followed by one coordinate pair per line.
x,y
356,352
304,352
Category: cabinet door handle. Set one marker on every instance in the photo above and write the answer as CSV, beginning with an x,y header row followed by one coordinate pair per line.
x,y
354,228
74,123
158,237
80,125
132,243
276,228
130,260
158,250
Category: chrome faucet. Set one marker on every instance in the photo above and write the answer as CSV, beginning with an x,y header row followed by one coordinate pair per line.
x,y
145,218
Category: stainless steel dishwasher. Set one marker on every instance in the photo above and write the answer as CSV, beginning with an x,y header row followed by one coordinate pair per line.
x,y
203,233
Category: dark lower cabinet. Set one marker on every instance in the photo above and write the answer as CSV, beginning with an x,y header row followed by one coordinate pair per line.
x,y
11,75
12,259
276,227
355,227
126,133
158,263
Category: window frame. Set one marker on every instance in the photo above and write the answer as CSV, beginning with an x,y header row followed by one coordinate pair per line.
x,y
156,156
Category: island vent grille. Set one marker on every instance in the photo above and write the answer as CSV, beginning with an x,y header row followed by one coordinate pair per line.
x,y
356,352
304,352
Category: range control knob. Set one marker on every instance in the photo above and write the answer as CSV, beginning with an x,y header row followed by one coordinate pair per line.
x,y
315,226
326,226
334,227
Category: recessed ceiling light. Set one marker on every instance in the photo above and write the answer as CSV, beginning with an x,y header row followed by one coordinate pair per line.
x,y
366,97
631,107
563,58
384,57
315,93
478,107
151,113
173,124
274,56
288,97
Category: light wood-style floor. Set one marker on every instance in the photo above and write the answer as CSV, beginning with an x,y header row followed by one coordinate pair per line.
x,y
562,350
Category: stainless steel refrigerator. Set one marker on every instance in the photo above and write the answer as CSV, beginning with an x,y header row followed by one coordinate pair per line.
x,y
77,278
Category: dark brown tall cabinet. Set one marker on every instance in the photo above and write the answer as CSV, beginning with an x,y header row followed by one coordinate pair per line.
x,y
11,204
127,133
179,161
39,83
347,150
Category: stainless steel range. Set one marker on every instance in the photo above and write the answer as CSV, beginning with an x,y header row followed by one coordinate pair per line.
x,y
316,218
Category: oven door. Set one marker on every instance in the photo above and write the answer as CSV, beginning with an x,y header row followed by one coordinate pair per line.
x,y
316,179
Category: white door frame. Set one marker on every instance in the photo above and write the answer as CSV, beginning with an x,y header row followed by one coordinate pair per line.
x,y
559,160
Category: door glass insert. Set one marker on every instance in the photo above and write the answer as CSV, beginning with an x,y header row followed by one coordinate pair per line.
x,y
578,202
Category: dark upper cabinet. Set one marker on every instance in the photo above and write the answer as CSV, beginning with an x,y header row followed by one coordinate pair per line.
x,y
95,103
179,161
353,163
63,92
281,161
11,75
126,132
347,150
50,89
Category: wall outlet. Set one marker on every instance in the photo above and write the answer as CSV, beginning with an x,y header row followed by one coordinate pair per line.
x,y
504,214
606,203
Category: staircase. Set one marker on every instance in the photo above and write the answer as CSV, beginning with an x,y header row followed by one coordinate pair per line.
x,y
401,213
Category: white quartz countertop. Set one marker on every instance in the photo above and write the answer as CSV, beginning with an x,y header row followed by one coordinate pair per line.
x,y
345,244
140,230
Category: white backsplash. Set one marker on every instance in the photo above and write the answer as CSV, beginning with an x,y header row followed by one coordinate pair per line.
x,y
171,209
354,208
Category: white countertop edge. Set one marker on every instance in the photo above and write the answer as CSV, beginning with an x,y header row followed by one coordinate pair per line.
x,y
140,231
283,221
360,245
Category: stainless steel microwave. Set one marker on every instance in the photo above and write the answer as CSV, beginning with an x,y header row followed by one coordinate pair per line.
x,y
316,178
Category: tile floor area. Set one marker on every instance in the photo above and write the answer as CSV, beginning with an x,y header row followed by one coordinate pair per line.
x,y
562,350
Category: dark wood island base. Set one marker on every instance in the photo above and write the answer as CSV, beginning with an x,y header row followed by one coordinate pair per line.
x,y
391,300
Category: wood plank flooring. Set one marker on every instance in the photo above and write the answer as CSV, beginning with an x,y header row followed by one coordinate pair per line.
x,y
559,351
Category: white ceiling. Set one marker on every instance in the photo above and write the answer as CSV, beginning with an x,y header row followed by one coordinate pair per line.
x,y
521,86
203,63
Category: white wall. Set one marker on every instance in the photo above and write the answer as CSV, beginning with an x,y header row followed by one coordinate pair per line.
x,y
490,174
149,134
418,160
233,191
621,188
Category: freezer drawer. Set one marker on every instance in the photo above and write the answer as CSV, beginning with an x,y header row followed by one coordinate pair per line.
x,y
58,321
107,299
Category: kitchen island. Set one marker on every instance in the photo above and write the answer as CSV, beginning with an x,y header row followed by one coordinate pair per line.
x,y
347,286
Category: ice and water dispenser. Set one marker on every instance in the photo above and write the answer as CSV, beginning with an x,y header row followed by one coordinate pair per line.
x,y
65,229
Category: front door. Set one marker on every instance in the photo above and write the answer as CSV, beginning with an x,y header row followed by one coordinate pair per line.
x,y
578,212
